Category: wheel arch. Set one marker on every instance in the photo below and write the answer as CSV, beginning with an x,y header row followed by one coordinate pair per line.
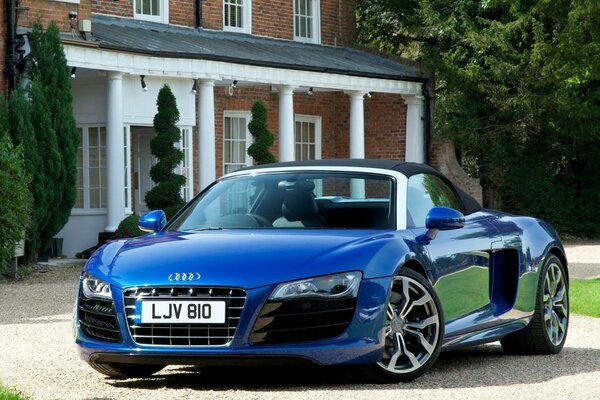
x,y
555,251
417,267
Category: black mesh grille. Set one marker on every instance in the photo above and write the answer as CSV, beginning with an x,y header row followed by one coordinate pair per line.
x,y
98,320
185,334
302,320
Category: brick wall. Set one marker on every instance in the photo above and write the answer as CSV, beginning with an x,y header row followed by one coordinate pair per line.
x,y
49,10
274,18
385,122
443,158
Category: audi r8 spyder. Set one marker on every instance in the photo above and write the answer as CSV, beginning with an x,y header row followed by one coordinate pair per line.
x,y
373,263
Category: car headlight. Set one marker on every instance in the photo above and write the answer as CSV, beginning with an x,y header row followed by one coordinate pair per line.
x,y
94,287
329,287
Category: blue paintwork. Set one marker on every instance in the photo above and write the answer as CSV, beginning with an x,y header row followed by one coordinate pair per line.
x,y
444,219
259,259
154,221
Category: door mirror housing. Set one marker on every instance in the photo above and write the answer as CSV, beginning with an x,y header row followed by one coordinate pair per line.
x,y
443,219
154,221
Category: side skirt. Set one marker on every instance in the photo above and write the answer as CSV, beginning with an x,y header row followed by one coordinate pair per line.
x,y
484,336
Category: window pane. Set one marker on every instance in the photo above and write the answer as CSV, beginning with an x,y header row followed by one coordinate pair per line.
x,y
138,6
79,200
94,198
155,8
309,28
94,177
146,7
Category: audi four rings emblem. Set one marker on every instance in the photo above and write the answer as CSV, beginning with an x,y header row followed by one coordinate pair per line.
x,y
184,277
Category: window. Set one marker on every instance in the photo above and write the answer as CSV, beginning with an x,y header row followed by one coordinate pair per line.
x,y
236,139
307,21
308,137
91,168
237,15
426,191
152,10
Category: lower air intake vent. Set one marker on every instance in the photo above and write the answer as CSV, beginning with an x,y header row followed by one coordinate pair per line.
x,y
97,319
302,320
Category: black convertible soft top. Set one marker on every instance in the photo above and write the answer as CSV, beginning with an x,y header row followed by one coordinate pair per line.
x,y
406,168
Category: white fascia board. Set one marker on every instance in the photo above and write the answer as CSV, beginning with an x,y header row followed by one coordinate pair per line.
x,y
139,64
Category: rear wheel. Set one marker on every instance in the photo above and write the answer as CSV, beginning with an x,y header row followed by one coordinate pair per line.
x,y
119,370
413,332
547,331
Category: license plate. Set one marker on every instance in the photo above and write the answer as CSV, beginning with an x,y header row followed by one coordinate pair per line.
x,y
180,312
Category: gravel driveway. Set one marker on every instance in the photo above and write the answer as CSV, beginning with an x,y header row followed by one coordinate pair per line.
x,y
38,357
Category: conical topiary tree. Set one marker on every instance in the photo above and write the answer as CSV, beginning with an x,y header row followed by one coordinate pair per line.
x,y
166,195
47,65
22,134
263,138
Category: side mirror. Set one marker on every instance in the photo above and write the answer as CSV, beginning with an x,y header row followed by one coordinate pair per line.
x,y
153,221
443,219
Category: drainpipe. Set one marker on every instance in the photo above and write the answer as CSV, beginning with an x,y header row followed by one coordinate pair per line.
x,y
198,13
11,57
427,89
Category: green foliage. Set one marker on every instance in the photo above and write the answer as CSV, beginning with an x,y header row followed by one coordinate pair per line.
x,y
518,89
263,138
129,227
55,132
15,208
584,297
11,394
22,133
166,195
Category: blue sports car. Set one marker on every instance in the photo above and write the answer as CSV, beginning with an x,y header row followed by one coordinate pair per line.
x,y
374,263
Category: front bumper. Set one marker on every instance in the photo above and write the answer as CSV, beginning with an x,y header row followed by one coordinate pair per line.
x,y
360,343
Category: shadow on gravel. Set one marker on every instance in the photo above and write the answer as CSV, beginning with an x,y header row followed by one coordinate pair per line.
x,y
477,367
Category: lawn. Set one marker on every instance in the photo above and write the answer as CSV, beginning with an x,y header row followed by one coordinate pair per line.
x,y
585,297
10,394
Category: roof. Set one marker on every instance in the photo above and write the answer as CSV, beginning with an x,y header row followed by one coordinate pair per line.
x,y
185,42
406,168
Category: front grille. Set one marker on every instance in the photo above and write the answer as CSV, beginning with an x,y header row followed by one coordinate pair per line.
x,y
302,320
184,334
97,319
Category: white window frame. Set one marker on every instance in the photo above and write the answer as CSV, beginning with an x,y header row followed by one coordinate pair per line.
x,y
163,12
316,23
313,119
246,18
188,160
85,145
127,156
238,114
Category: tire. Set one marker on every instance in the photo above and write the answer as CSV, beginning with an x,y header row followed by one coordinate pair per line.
x,y
547,331
414,330
122,371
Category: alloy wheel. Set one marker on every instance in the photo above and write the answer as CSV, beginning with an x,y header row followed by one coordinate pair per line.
x,y
555,304
412,328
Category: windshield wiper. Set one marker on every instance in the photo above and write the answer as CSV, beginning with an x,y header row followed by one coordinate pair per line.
x,y
208,228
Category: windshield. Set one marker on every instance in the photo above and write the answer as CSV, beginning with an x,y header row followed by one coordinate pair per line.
x,y
304,200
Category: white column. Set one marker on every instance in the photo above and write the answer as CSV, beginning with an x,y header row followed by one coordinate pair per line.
x,y
415,129
357,124
286,124
357,139
206,125
115,159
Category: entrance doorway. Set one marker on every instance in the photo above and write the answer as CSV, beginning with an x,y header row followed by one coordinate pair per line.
x,y
143,160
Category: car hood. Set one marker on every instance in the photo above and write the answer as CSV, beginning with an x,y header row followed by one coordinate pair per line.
x,y
241,258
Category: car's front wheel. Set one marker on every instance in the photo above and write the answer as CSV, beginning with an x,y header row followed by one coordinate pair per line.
x,y
120,370
414,330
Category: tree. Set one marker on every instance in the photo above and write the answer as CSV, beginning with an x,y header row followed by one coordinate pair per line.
x,y
48,71
166,195
14,208
518,89
22,133
263,138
